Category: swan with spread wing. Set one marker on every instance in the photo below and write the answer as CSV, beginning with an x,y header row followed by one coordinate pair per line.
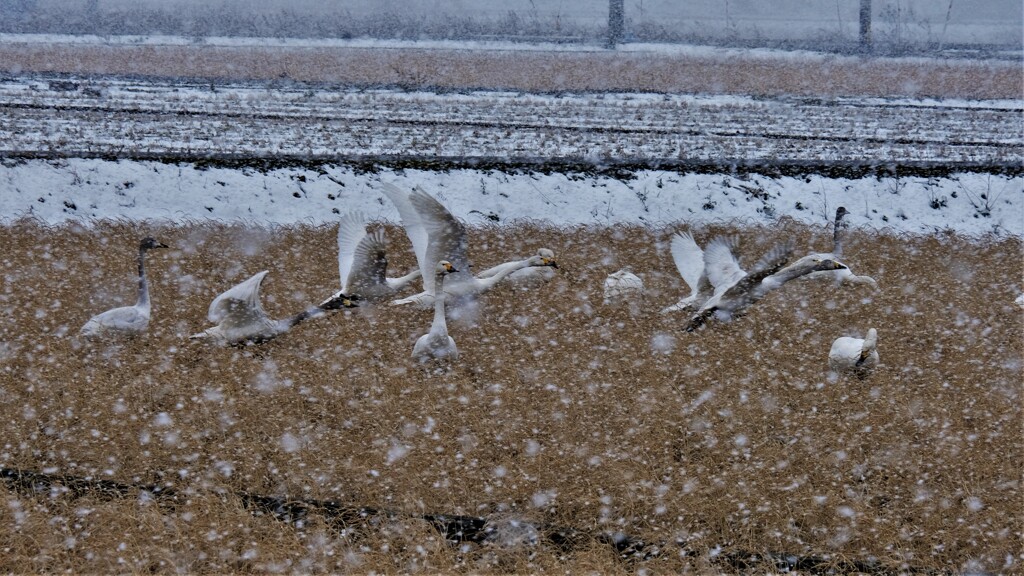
x,y
241,319
437,235
363,263
736,290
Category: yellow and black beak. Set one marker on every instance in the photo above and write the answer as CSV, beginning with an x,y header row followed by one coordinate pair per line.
x,y
341,301
449,268
550,262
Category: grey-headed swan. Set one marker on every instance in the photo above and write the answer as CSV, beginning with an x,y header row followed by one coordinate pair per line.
x,y
842,275
127,320
769,274
241,319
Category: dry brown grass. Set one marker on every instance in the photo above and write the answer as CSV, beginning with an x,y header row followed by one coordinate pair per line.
x,y
535,71
560,410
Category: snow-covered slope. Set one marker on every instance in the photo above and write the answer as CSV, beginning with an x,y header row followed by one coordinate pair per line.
x,y
85,190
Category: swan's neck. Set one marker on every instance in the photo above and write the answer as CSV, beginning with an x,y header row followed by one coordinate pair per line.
x,y
861,280
785,275
143,301
837,237
870,342
299,318
506,269
402,281
439,326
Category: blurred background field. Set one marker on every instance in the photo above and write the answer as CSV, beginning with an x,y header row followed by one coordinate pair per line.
x,y
954,28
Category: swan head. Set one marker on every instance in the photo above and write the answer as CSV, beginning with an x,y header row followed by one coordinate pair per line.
x,y
829,264
339,301
148,243
444,268
840,212
544,257
817,263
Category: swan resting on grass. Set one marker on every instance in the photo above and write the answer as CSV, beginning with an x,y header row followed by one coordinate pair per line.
x,y
241,319
854,355
768,275
842,275
437,235
532,276
623,286
126,320
363,263
437,344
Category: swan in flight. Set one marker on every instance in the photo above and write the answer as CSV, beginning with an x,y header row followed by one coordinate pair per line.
x,y
843,275
623,287
767,275
437,344
854,355
241,319
437,235
363,263
689,260
127,320
709,272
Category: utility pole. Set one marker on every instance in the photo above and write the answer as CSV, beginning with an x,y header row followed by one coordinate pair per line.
x,y
865,25
616,22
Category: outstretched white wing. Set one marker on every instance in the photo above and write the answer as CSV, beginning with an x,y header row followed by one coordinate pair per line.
x,y
239,305
447,237
415,230
720,265
351,232
689,259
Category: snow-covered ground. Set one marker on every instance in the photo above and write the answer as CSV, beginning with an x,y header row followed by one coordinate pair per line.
x,y
176,117
90,148
86,190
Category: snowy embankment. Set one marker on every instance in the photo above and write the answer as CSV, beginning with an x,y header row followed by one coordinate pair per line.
x,y
85,190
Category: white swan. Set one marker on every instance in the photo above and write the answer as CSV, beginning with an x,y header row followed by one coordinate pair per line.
x,y
720,270
437,344
623,286
241,319
437,235
127,320
363,263
844,275
766,276
854,355
689,260
528,277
